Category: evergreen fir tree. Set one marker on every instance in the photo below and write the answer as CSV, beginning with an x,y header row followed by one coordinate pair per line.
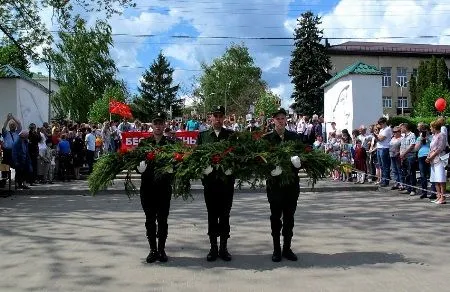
x,y
442,74
432,70
309,65
156,92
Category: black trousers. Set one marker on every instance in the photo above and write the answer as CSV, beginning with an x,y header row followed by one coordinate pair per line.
x,y
22,175
7,159
155,201
32,176
90,160
283,204
219,200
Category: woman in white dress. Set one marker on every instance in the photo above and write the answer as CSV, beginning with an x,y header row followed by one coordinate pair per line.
x,y
438,173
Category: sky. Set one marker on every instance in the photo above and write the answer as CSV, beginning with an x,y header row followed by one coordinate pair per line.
x,y
208,27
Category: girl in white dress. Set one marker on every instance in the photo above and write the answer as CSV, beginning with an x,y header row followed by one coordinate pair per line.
x,y
438,173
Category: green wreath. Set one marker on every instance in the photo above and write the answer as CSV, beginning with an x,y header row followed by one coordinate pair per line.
x,y
245,156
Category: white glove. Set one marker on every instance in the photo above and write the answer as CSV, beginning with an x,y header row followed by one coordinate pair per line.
x,y
142,167
277,171
208,170
296,162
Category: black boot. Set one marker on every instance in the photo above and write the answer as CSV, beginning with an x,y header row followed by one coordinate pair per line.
x,y
276,256
223,251
214,251
153,255
161,250
287,252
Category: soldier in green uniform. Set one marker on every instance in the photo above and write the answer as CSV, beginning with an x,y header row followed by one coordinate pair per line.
x,y
218,191
155,196
282,199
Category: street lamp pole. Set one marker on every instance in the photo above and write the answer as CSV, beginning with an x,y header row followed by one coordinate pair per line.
x,y
401,93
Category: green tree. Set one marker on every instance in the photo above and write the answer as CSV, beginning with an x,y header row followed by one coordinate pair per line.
x,y
83,67
267,104
425,107
232,80
99,111
432,70
423,80
157,94
10,54
21,23
309,65
442,73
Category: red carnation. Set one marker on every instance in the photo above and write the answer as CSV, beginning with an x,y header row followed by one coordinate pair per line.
x,y
216,159
151,155
257,135
178,156
308,149
229,150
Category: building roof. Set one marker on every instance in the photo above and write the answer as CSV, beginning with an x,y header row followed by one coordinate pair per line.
x,y
8,71
388,49
358,68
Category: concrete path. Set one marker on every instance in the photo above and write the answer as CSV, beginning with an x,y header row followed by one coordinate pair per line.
x,y
359,241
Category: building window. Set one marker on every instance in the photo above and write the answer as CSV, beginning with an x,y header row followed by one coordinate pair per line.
x,y
402,79
386,76
402,102
414,73
387,102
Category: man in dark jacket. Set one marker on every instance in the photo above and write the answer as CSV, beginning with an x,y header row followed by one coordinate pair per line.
x,y
21,160
218,191
282,199
156,193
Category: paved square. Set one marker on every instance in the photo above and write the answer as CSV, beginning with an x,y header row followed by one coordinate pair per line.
x,y
360,241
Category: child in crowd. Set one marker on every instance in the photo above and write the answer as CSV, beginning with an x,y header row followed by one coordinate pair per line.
x,y
360,158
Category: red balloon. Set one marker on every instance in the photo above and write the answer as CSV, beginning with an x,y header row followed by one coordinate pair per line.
x,y
440,104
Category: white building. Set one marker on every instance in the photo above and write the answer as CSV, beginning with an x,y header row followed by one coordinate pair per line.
x,y
22,96
353,97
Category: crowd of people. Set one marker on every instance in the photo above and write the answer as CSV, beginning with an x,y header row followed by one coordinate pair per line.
x,y
59,150
390,155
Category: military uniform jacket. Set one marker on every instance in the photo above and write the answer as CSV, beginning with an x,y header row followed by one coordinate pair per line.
x,y
148,178
274,189
210,136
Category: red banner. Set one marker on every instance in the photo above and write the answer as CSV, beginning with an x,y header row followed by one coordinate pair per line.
x,y
130,140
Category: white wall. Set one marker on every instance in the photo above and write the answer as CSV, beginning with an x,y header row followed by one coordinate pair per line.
x,y
8,99
32,104
352,101
338,104
367,100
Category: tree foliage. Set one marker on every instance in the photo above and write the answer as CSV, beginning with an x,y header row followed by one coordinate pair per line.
x,y
431,79
425,106
83,67
309,65
232,80
267,104
157,92
99,111
10,54
21,23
